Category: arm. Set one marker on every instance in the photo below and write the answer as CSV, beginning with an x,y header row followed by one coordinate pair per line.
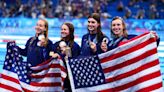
x,y
24,51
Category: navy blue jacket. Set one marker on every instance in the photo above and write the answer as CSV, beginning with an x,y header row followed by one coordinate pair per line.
x,y
36,54
85,47
75,50
115,42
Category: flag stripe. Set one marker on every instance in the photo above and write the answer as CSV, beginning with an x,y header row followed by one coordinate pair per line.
x,y
127,51
45,84
134,66
9,88
133,60
150,88
144,84
130,73
46,75
135,82
18,76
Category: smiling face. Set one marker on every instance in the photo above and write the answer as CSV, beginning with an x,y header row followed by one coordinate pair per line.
x,y
64,31
117,27
40,27
92,25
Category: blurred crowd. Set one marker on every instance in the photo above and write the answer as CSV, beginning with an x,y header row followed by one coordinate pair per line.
x,y
134,9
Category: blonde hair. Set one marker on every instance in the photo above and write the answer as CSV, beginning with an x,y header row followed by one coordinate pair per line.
x,y
46,31
125,33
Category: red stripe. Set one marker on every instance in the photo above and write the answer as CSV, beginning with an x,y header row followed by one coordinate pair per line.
x,y
131,61
125,52
9,88
135,71
139,80
135,82
46,84
3,76
48,67
137,37
26,90
47,75
151,88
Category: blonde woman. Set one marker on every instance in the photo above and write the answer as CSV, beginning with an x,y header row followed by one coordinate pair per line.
x,y
38,47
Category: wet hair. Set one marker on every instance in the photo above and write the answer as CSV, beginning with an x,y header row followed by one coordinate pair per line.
x,y
46,31
96,16
125,34
70,37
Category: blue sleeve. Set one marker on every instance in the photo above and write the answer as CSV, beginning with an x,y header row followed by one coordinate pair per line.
x,y
47,49
24,51
76,50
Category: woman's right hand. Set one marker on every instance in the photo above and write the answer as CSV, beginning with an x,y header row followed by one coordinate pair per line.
x,y
93,46
104,46
54,55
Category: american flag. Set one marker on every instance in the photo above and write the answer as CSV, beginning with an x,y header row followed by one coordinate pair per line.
x,y
18,76
131,67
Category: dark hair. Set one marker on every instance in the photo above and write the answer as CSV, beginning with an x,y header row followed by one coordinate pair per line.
x,y
70,37
125,34
96,16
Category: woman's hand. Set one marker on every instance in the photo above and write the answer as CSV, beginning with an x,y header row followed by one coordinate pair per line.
x,y
154,34
93,46
54,55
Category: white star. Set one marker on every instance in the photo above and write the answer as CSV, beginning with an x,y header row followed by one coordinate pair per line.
x,y
93,59
96,61
98,78
16,54
80,68
102,80
25,76
10,61
17,58
85,77
8,67
7,57
78,71
78,84
9,51
91,83
86,83
20,77
19,63
72,66
27,80
96,82
18,72
13,65
6,63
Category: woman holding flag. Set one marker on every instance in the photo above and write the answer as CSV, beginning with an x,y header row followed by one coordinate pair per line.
x,y
119,34
66,47
38,47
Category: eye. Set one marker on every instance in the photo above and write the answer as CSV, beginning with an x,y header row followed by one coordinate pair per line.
x,y
113,25
118,24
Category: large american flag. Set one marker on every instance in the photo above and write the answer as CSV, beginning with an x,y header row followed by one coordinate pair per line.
x,y
131,67
19,76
